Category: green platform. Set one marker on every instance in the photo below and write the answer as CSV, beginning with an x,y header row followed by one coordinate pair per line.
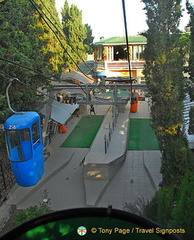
x,y
141,135
84,133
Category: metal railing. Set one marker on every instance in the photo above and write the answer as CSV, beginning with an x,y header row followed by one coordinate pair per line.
x,y
112,125
120,65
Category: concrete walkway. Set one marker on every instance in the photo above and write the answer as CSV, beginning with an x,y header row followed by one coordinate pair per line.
x,y
64,175
102,163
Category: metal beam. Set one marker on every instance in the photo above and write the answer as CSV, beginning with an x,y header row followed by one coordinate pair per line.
x,y
99,86
97,98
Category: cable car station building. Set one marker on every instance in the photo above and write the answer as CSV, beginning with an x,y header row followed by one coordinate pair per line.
x,y
111,57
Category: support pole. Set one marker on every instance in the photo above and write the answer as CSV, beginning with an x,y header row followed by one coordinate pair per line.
x,y
127,43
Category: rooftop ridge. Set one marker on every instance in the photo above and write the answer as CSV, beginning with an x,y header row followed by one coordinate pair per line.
x,y
122,39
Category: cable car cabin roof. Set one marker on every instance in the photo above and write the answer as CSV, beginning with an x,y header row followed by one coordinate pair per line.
x,y
20,121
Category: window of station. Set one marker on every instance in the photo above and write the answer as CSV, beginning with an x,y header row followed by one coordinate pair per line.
x,y
140,51
99,53
120,53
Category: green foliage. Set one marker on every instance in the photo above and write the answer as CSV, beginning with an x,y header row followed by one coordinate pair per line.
x,y
175,158
173,207
182,213
88,42
26,41
30,52
160,208
191,122
76,34
53,42
34,211
190,10
165,203
164,55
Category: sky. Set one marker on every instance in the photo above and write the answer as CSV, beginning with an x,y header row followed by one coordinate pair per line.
x,y
105,17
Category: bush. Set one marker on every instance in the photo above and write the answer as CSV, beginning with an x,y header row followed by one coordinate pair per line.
x,y
34,211
183,212
173,207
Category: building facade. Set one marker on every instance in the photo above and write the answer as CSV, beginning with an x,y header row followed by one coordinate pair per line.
x,y
111,57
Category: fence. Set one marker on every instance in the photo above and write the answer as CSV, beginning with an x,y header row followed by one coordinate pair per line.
x,y
7,179
108,136
120,65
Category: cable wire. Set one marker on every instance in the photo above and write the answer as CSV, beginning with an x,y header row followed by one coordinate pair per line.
x,y
63,34
43,17
127,43
20,65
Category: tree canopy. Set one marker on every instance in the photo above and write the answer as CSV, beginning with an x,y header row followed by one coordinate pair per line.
x,y
164,55
76,35
26,40
33,46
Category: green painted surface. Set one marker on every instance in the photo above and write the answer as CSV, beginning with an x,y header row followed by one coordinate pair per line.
x,y
84,133
122,40
141,135
119,92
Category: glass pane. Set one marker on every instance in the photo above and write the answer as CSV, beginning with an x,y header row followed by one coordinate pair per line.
x,y
14,138
25,135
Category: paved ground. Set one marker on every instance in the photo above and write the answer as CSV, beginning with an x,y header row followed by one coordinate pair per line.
x,y
63,179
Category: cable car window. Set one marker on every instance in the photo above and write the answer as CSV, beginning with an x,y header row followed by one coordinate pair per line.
x,y
35,132
13,136
19,144
25,135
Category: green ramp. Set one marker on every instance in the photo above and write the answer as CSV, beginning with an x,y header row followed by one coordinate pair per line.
x,y
141,135
84,133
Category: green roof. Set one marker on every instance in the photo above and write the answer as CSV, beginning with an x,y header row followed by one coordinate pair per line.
x,y
120,40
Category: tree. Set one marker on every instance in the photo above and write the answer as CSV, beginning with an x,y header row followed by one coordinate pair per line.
x,y
51,35
89,40
27,42
75,33
165,56
190,10
182,212
165,82
29,51
173,207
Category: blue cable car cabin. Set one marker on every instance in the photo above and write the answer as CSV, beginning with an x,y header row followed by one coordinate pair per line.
x,y
25,147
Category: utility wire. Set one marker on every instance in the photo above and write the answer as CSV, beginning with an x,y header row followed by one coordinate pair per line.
x,y
24,84
63,34
41,14
28,68
20,65
127,43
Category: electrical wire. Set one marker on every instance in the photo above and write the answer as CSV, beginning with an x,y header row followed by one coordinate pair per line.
x,y
43,16
127,43
24,84
20,65
63,34
28,68
34,89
